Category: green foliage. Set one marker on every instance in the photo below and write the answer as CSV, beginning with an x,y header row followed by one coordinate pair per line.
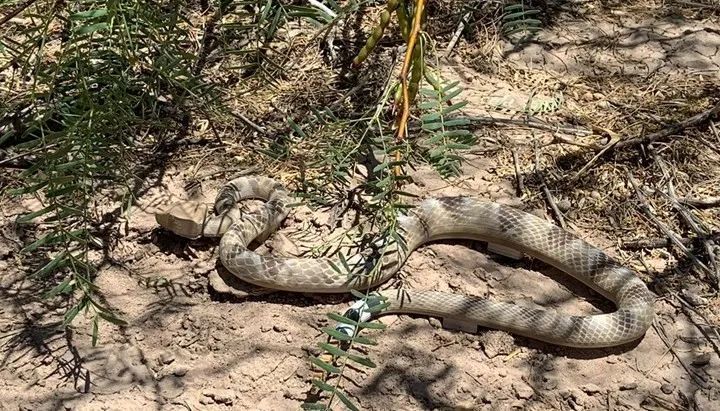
x,y
106,79
343,353
447,135
519,21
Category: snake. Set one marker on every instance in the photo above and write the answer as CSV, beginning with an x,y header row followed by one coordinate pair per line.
x,y
432,219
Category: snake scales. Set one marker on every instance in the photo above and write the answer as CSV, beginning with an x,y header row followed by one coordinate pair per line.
x,y
432,219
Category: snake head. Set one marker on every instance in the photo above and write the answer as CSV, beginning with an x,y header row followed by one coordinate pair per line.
x,y
186,218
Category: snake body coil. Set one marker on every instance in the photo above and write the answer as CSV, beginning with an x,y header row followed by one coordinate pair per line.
x,y
433,219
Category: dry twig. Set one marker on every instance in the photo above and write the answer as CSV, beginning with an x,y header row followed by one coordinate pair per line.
x,y
548,194
672,235
709,202
697,378
518,175
670,130
690,220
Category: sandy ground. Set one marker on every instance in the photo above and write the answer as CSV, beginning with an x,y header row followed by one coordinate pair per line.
x,y
188,346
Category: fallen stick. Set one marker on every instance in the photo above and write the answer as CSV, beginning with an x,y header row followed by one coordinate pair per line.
x,y
673,236
670,130
548,194
709,202
690,220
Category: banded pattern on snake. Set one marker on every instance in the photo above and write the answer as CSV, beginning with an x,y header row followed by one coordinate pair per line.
x,y
432,219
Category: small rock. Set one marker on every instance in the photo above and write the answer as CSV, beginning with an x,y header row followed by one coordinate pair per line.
x,y
496,343
564,205
288,338
220,396
265,328
435,322
550,384
180,371
279,328
311,350
701,360
667,388
166,358
590,389
522,390
596,195
693,298
627,386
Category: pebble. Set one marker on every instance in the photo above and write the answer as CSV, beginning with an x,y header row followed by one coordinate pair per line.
x,y
180,371
279,328
265,328
667,388
288,338
522,390
590,389
220,396
435,322
693,298
627,386
166,358
701,360
564,205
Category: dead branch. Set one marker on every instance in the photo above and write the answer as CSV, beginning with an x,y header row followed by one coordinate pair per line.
x,y
670,130
709,202
17,10
653,242
670,234
690,220
518,175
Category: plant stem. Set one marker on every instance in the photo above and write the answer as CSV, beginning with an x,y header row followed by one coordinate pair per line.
x,y
404,114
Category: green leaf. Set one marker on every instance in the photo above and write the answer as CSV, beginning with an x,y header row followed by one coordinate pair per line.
x,y
341,319
377,308
362,360
62,288
345,400
452,95
336,334
73,312
325,366
91,28
450,86
111,318
372,325
323,386
454,107
58,262
338,352
90,14
429,118
26,218
296,128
